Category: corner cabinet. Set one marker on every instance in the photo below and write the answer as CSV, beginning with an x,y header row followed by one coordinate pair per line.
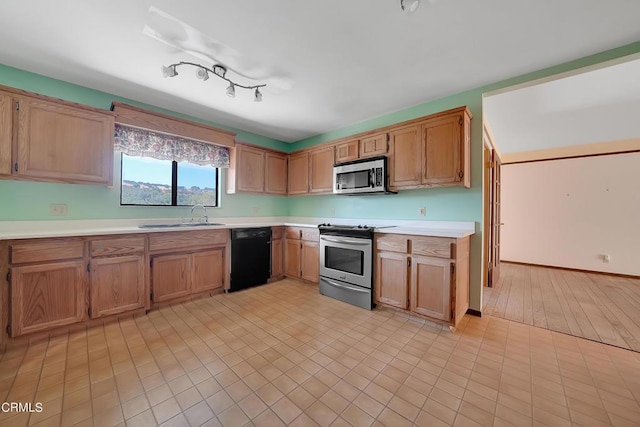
x,y
255,169
428,276
42,139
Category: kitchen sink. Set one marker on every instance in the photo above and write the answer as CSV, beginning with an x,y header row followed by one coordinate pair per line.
x,y
182,224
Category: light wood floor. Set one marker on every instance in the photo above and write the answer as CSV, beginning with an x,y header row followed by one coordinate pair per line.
x,y
283,354
594,306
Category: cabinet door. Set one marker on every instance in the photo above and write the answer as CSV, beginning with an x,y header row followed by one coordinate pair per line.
x,y
347,151
250,169
117,285
321,164
442,141
292,258
275,180
277,254
207,270
310,261
298,178
405,157
375,145
57,142
431,287
391,286
170,277
6,133
44,296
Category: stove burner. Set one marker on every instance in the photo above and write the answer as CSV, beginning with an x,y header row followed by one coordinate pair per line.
x,y
344,227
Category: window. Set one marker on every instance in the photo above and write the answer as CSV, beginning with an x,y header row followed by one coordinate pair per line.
x,y
151,182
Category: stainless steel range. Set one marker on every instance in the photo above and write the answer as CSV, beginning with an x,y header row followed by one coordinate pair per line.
x,y
346,263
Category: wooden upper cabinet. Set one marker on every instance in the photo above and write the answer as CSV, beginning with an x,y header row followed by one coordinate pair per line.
x,y
64,143
6,133
405,156
44,296
117,285
275,178
442,144
347,151
375,145
321,170
251,172
298,177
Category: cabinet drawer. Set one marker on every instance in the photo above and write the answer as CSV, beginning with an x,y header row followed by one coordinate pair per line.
x,y
46,251
293,233
277,233
311,234
117,246
392,243
186,240
440,247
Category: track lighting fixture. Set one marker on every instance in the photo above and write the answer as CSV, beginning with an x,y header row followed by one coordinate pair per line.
x,y
231,91
409,6
203,73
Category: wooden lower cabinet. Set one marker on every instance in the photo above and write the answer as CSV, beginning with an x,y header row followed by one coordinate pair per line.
x,y
427,275
292,258
391,285
302,254
169,277
310,261
44,296
207,270
277,252
431,287
117,285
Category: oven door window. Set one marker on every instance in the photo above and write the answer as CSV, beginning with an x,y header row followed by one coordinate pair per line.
x,y
346,260
353,180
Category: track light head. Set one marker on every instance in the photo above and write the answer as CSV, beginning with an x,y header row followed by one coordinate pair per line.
x,y
409,6
169,71
202,74
231,91
258,95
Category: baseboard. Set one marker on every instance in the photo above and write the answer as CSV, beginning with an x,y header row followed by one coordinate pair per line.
x,y
606,273
473,312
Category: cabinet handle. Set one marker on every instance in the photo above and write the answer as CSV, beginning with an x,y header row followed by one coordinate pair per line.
x,y
15,166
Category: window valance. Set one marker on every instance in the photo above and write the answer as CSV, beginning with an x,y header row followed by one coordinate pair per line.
x,y
144,143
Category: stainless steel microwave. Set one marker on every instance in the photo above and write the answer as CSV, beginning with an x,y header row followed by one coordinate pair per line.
x,y
361,177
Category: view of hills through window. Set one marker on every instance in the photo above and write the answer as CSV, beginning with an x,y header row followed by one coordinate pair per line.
x,y
148,181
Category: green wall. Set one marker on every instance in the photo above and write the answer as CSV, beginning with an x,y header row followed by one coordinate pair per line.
x,y
21,200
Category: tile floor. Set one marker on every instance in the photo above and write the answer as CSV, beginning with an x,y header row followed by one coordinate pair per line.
x,y
282,354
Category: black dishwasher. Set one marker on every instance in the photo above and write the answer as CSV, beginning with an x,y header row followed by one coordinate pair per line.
x,y
250,257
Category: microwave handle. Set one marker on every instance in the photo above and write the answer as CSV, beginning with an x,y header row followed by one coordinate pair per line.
x,y
372,177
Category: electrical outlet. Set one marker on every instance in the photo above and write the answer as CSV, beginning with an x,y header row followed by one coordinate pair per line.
x,y
423,211
606,258
255,210
332,211
57,209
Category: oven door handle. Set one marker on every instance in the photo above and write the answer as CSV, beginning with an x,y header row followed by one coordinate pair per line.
x,y
348,242
349,288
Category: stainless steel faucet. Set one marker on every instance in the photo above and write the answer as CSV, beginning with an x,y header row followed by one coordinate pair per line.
x,y
203,218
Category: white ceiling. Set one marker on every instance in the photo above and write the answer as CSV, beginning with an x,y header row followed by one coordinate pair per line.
x,y
601,105
328,63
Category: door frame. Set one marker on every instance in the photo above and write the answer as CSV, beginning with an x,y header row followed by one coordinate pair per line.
x,y
488,183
